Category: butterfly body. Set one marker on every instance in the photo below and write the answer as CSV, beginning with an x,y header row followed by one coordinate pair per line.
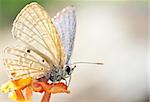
x,y
56,74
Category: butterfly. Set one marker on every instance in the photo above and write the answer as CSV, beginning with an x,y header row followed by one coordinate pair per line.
x,y
47,44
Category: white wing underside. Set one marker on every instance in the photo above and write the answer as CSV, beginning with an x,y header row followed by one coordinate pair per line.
x,y
65,23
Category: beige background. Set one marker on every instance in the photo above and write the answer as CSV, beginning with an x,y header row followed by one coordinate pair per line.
x,y
112,32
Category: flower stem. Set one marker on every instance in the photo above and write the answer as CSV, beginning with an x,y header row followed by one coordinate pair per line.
x,y
19,95
46,97
28,93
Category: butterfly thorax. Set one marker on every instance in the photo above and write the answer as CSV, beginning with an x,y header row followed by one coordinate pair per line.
x,y
56,74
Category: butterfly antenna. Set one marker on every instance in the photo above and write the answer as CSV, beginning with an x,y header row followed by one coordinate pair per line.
x,y
97,63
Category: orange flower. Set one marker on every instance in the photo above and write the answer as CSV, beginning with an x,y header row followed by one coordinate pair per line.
x,y
21,90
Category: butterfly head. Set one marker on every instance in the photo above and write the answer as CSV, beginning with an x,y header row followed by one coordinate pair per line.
x,y
58,74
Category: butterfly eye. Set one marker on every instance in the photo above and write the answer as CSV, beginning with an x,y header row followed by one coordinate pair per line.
x,y
28,51
68,70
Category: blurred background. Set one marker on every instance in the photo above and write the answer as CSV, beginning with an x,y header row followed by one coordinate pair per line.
x,y
113,32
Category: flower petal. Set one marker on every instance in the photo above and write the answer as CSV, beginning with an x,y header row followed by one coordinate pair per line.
x,y
58,88
20,96
50,88
37,87
16,95
22,83
12,95
7,87
17,87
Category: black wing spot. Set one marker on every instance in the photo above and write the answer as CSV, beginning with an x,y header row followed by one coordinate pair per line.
x,y
28,51
43,60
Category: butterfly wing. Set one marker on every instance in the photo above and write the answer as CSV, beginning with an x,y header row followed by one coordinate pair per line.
x,y
65,23
34,27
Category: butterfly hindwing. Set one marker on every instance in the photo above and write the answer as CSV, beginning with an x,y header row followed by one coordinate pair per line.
x,y
23,63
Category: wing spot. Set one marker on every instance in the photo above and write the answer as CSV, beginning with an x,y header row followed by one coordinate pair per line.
x,y
25,55
13,74
28,51
42,68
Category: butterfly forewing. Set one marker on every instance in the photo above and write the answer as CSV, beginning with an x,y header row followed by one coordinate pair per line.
x,y
34,27
65,23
